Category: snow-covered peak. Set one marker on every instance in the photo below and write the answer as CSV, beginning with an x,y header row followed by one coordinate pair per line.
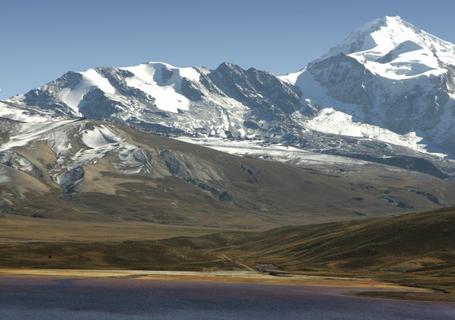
x,y
393,48
388,74
189,73
156,83
382,35
163,82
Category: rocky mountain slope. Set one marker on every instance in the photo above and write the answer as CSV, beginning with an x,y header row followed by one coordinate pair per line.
x,y
91,170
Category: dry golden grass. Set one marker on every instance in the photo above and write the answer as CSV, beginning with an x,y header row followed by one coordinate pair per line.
x,y
14,229
415,250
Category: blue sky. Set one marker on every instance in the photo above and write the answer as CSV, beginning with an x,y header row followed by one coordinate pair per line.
x,y
42,39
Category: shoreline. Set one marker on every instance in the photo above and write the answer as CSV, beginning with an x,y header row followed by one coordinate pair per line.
x,y
249,277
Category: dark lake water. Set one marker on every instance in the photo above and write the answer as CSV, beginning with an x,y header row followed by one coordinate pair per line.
x,y
41,299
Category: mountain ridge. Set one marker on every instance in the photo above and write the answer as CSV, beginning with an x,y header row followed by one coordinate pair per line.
x,y
338,104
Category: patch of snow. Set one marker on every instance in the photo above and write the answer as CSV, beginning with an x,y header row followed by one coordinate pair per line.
x,y
154,80
315,93
58,142
99,137
3,176
24,165
276,152
11,112
100,141
291,77
16,161
331,121
90,79
133,160
32,132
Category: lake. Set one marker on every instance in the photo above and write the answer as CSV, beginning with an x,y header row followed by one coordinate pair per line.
x,y
50,299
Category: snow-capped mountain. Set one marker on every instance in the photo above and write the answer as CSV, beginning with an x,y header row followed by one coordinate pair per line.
x,y
227,101
380,100
385,95
389,74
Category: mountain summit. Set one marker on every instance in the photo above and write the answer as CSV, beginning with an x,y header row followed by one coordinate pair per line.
x,y
389,74
392,47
